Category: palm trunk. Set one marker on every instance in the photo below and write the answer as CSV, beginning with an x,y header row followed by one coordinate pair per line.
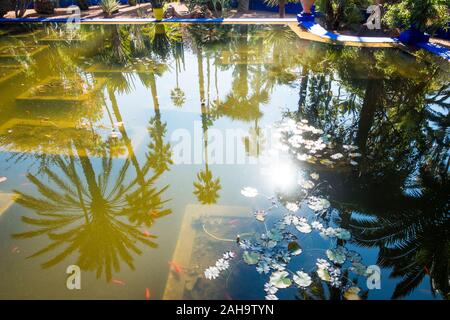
x,y
282,8
370,105
243,5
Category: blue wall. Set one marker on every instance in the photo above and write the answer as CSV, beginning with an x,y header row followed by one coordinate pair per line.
x,y
66,3
292,8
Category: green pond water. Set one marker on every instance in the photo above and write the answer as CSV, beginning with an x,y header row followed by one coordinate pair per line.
x,y
135,152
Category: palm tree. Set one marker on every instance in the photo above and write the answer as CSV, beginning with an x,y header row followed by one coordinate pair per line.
x,y
206,189
177,95
86,213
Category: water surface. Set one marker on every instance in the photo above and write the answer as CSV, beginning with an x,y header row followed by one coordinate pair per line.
x,y
111,135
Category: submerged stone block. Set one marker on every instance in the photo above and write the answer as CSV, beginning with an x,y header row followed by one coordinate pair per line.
x,y
7,72
56,90
68,37
200,243
135,66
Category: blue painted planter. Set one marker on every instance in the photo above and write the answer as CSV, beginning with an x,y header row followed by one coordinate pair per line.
x,y
412,36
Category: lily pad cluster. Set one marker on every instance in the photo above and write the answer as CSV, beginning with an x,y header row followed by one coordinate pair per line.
x,y
309,144
272,251
221,264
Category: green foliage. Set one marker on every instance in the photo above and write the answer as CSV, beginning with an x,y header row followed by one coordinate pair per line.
x,y
280,3
218,7
109,6
341,13
157,3
423,15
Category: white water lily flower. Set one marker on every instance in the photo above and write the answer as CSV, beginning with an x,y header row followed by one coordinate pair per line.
x,y
318,204
337,255
291,206
317,225
249,192
271,297
302,279
314,176
280,279
288,219
229,255
270,289
212,273
3,179
342,233
337,156
222,264
245,244
263,267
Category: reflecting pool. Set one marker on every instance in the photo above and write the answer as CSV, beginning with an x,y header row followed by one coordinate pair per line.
x,y
144,153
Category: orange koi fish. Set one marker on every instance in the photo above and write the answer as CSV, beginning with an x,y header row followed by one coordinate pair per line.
x,y
147,294
15,250
146,233
118,282
175,267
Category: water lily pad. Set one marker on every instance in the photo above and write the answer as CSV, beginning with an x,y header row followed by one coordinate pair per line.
x,y
318,204
280,280
336,255
352,293
249,192
303,227
275,235
291,206
294,248
251,257
358,268
260,215
342,233
327,162
302,279
337,156
324,274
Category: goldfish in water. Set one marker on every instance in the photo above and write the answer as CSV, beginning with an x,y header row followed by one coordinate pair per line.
x,y
175,267
118,282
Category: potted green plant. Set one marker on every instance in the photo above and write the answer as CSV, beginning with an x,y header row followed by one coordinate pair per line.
x,y
109,7
44,6
157,7
418,18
